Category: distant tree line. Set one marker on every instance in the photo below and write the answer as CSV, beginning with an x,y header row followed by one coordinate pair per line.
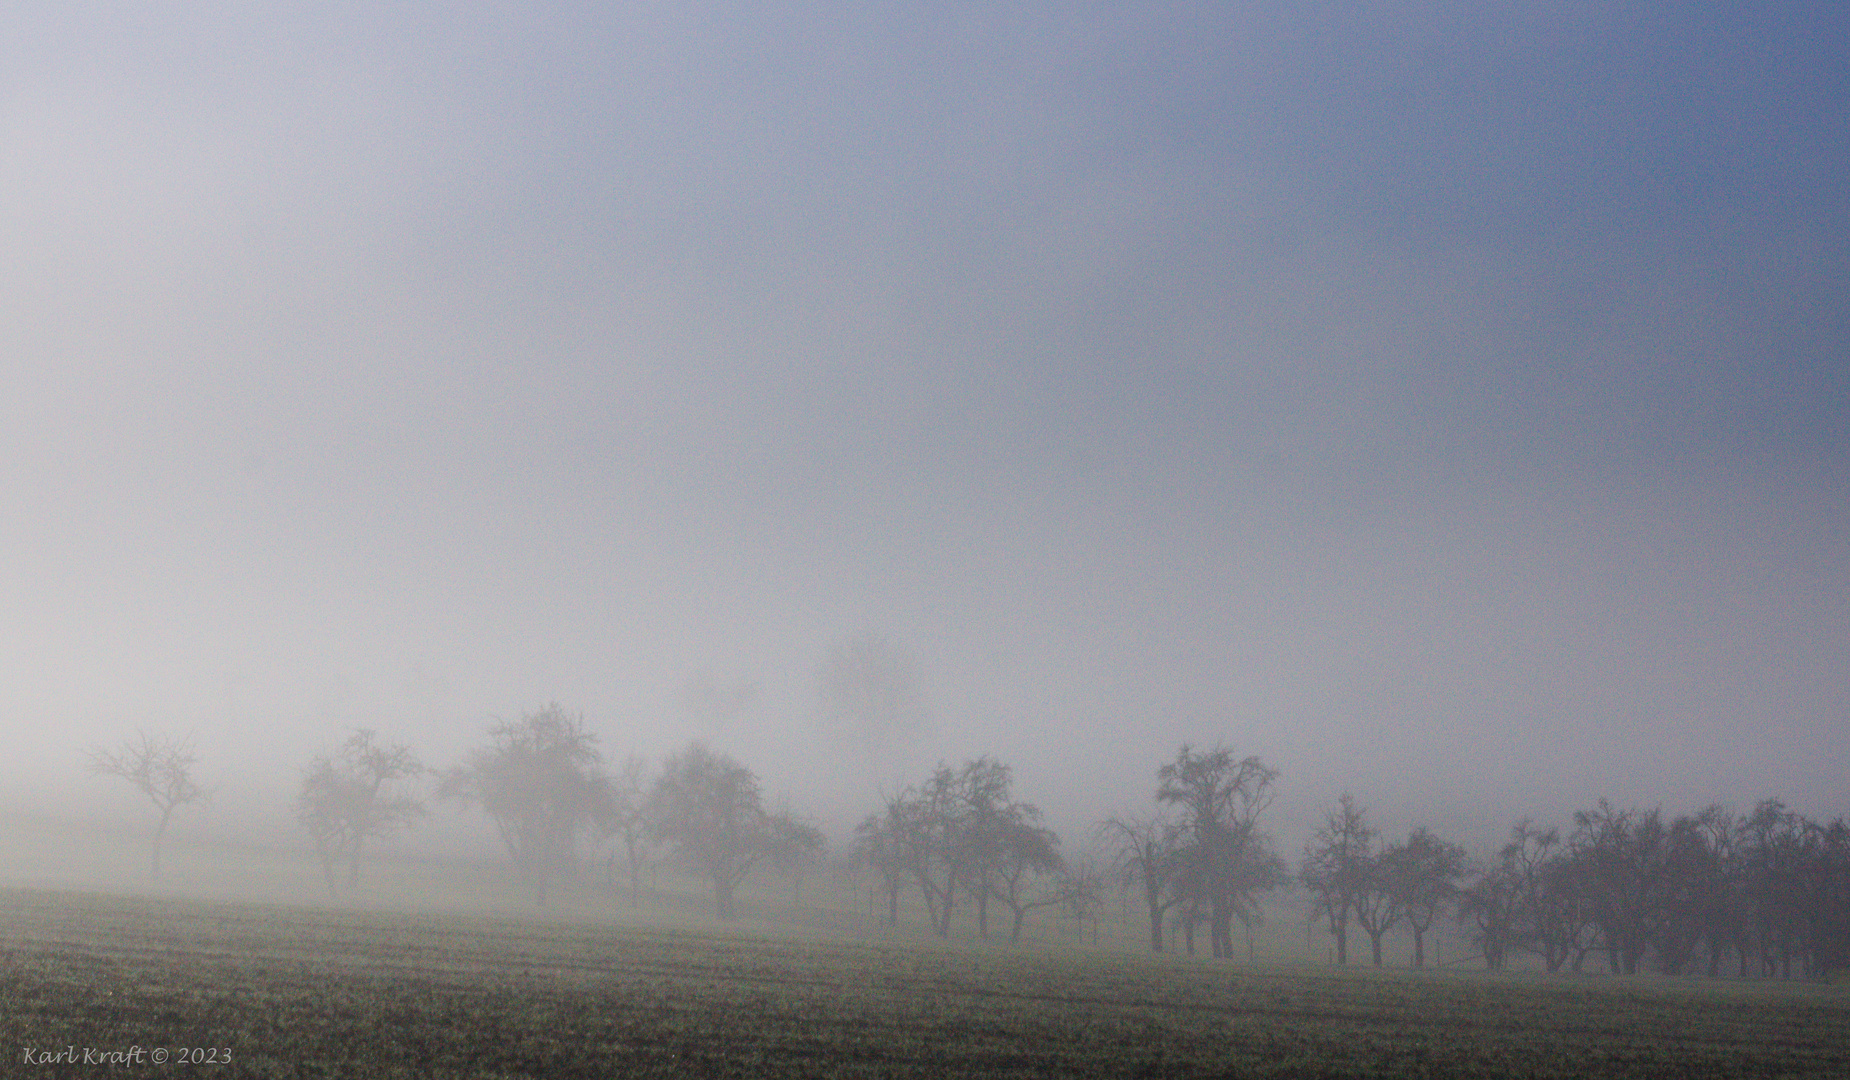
x,y
1765,894
541,781
1761,895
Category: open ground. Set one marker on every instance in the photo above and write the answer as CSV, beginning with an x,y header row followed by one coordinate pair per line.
x,y
302,991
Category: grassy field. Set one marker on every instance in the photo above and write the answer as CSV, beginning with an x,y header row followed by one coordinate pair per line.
x,y
294,991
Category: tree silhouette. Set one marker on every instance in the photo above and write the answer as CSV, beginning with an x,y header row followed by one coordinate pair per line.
x,y
709,807
345,799
160,767
1336,867
538,781
1148,851
1221,800
621,813
1422,875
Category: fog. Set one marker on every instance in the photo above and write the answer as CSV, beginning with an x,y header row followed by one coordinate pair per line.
x,y
1449,407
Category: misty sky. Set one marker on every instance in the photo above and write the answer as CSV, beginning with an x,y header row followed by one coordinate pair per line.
x,y
1449,403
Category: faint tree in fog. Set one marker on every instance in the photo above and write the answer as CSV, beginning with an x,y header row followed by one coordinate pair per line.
x,y
538,781
1624,856
1492,905
709,807
711,703
621,814
879,844
797,847
1082,893
346,799
1148,851
1221,799
160,767
1422,875
1375,905
1026,871
867,690
928,822
987,822
963,829
1336,867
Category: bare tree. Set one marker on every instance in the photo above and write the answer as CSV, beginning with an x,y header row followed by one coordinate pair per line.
x,y
963,829
1221,800
622,814
709,807
1027,871
1552,915
1422,874
927,827
1148,851
346,799
1082,893
797,847
1336,865
989,823
1375,903
880,843
1491,904
1625,868
867,690
160,767
538,781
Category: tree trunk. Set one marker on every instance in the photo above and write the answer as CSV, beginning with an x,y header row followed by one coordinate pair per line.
x,y
722,897
1221,928
892,902
1015,928
1342,943
1374,943
1156,929
326,858
1419,947
160,834
1554,954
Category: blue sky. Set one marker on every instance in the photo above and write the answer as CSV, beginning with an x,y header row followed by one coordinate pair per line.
x,y
1446,402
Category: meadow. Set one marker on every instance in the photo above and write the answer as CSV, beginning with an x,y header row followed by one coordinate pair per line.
x,y
296,991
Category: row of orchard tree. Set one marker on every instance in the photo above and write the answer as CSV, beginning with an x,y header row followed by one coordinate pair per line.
x,y
1767,893
1763,894
542,783
962,831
